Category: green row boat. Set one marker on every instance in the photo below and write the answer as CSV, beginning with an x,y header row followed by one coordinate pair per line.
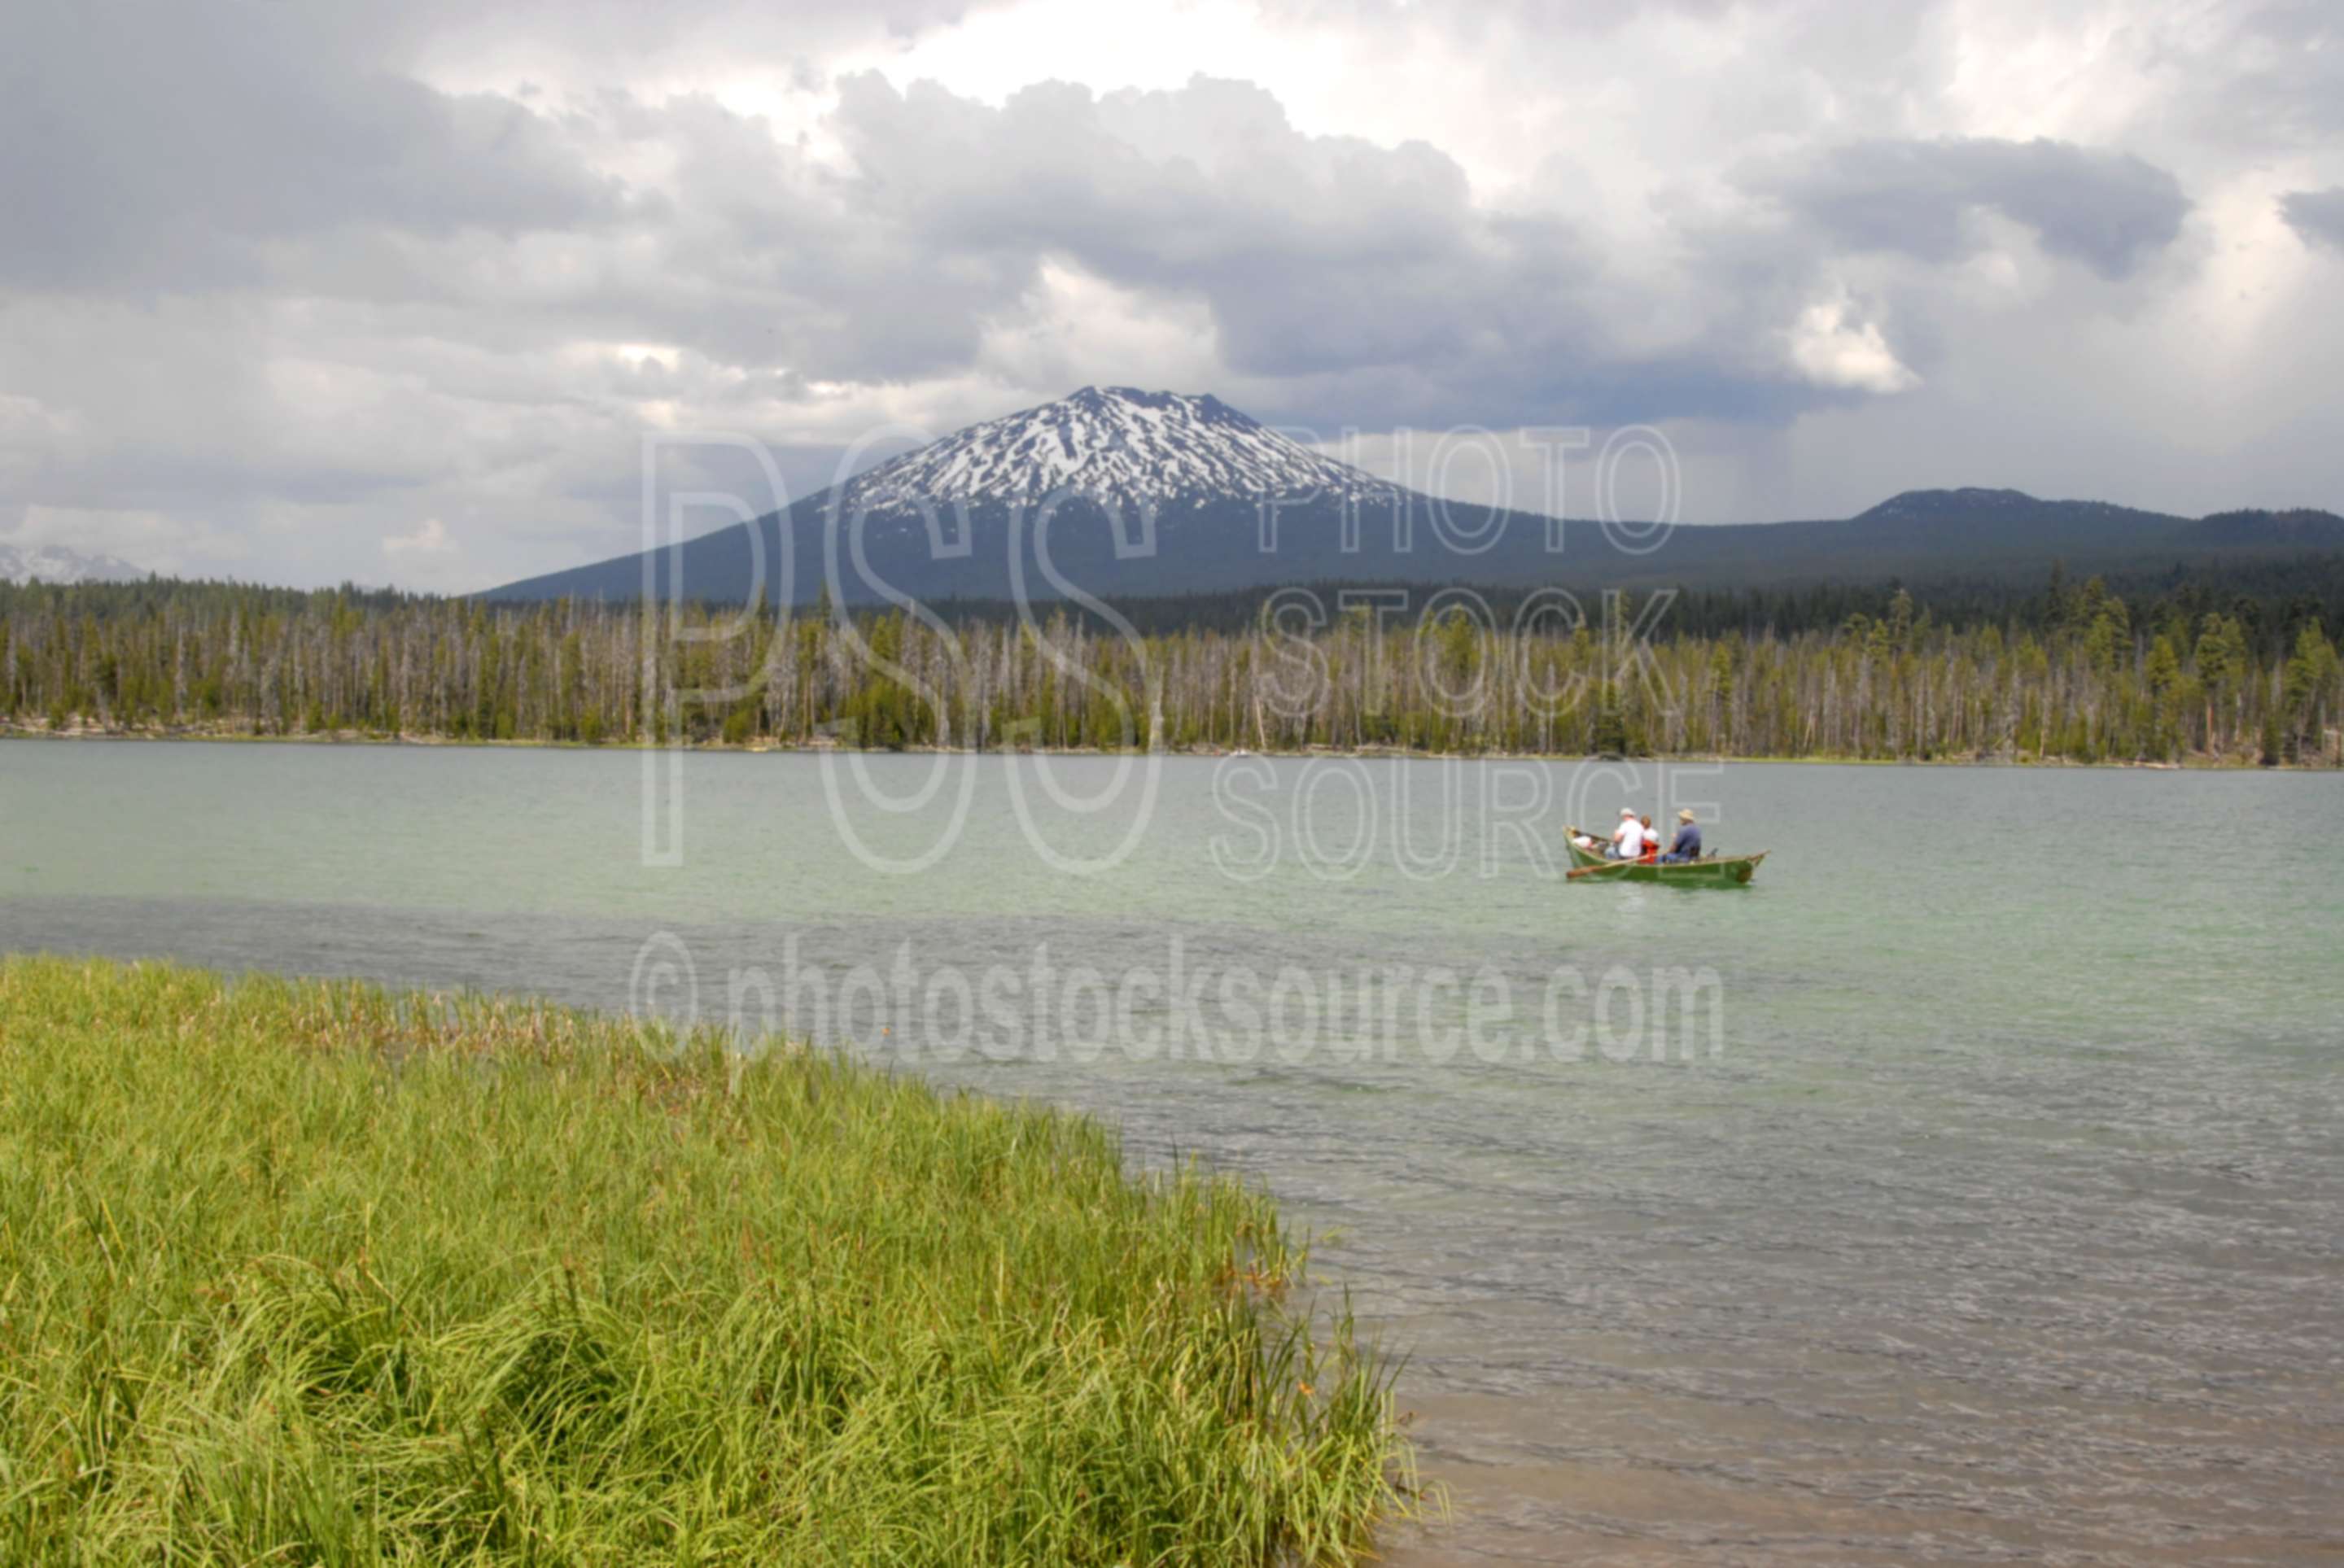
x,y
1709,872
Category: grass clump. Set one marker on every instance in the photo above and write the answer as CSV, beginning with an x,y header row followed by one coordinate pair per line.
x,y
311,1273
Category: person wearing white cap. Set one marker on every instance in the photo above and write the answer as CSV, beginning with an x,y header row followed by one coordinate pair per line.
x,y
1628,837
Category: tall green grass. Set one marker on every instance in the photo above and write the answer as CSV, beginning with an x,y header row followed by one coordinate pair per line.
x,y
305,1274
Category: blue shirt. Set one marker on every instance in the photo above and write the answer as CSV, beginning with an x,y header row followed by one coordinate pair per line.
x,y
1688,839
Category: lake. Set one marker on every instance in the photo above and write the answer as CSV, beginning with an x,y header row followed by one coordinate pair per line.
x,y
1969,1188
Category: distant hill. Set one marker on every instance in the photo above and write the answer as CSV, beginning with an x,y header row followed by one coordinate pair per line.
x,y
56,564
1158,493
2299,529
1977,533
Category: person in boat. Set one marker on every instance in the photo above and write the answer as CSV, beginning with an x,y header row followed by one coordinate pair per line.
x,y
1686,846
1651,842
1628,837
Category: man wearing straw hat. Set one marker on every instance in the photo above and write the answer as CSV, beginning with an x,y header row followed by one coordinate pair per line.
x,y
1687,844
1628,837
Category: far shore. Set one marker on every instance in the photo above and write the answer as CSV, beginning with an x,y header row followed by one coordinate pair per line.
x,y
2196,762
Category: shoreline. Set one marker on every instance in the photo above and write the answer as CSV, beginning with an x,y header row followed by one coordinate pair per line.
x,y
2194,763
793,1311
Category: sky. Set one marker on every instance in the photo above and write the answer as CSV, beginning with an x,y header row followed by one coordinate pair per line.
x,y
303,293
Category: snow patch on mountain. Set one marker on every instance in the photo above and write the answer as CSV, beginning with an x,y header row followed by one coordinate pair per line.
x,y
57,565
1116,445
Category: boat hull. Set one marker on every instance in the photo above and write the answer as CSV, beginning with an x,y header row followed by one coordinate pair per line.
x,y
1724,871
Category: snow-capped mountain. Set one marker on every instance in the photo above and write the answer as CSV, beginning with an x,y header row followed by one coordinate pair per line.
x,y
1116,445
55,564
1165,493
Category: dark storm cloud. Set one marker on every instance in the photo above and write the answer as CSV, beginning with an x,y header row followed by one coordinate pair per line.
x,y
187,147
165,145
1369,281
172,143
2108,210
1318,257
2317,217
1315,254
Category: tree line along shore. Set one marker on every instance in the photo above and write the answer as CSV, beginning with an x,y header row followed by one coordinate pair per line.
x,y
2069,673
311,1273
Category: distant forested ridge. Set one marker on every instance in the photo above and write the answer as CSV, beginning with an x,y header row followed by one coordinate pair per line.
x,y
2236,667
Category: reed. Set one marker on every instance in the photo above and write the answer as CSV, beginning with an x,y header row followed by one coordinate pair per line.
x,y
297,1273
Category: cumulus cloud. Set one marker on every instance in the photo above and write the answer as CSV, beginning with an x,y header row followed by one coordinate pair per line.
x,y
1833,351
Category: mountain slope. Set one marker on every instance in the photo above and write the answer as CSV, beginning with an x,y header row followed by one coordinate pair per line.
x,y
1111,490
56,564
1116,492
